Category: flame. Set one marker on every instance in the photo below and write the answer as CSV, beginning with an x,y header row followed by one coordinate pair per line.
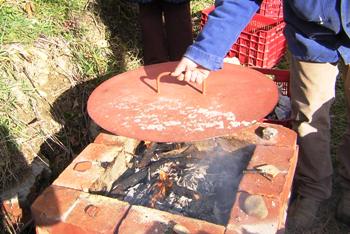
x,y
162,187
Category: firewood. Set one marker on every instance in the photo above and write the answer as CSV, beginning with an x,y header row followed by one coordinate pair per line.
x,y
147,156
177,153
120,186
182,191
165,147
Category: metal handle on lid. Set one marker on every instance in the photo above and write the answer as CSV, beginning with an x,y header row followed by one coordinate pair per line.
x,y
203,91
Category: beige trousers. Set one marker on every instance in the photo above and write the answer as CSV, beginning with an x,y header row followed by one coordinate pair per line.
x,y
312,94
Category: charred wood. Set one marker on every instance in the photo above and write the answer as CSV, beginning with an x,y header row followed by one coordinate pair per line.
x,y
183,191
177,153
165,147
148,155
120,186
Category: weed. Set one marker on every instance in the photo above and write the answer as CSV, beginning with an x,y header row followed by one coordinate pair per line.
x,y
47,19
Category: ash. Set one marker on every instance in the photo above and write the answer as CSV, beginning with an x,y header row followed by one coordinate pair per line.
x,y
203,188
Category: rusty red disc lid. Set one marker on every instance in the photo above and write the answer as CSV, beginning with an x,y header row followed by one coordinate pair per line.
x,y
129,105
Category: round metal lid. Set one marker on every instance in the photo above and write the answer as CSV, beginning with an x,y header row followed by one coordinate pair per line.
x,y
129,105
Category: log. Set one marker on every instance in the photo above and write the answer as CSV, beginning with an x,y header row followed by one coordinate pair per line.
x,y
178,153
119,187
147,156
165,147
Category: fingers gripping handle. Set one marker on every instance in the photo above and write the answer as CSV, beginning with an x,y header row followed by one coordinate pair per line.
x,y
163,74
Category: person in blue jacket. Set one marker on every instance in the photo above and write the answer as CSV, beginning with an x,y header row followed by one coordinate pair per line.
x,y
168,39
318,36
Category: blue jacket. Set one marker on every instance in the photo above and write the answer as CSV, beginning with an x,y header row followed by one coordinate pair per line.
x,y
316,30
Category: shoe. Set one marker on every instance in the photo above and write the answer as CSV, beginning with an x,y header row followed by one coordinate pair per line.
x,y
343,209
302,213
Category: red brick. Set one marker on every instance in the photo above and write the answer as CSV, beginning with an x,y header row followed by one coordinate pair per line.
x,y
108,139
121,141
143,220
285,196
277,190
98,214
49,207
12,209
93,154
62,210
128,145
240,222
285,136
280,157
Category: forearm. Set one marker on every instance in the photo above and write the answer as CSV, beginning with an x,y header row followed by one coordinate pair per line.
x,y
222,29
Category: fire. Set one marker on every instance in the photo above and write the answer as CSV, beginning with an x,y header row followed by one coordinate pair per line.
x,y
161,187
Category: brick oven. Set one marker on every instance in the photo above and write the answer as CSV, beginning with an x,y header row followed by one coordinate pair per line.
x,y
184,160
260,204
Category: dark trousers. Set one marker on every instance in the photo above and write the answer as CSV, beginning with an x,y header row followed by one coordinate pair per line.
x,y
166,31
312,94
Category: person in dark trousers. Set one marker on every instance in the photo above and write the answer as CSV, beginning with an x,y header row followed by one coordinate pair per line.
x,y
318,36
166,27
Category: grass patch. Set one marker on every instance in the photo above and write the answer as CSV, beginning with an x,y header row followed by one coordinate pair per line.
x,y
9,105
196,12
198,6
47,18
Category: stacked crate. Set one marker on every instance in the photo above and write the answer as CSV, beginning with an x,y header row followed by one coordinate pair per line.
x,y
272,9
262,43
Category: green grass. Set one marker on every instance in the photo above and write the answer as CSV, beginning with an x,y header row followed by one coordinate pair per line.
x,y
197,6
48,18
8,100
11,127
66,20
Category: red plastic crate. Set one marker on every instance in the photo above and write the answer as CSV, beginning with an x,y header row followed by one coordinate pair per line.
x,y
204,15
261,43
271,8
281,78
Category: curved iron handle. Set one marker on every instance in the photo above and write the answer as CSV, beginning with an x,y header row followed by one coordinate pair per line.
x,y
203,91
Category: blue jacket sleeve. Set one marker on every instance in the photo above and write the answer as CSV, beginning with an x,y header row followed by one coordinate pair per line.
x,y
222,29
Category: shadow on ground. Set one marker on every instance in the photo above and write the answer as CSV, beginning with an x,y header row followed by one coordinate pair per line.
x,y
120,17
14,168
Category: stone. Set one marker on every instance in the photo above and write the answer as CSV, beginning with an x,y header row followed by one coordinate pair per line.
x,y
254,205
179,229
268,133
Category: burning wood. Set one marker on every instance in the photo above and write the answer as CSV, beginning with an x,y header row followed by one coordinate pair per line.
x,y
182,191
160,150
185,179
128,182
149,153
161,187
122,184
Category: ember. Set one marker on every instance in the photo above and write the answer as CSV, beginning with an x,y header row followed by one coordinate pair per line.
x,y
197,180
161,187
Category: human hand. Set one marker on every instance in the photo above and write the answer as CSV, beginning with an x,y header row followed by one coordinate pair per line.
x,y
190,71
